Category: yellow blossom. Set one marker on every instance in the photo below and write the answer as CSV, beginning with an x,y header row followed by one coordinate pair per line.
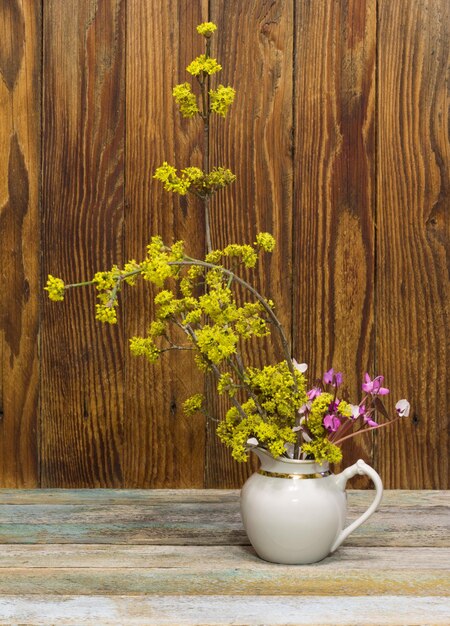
x,y
206,29
106,313
55,287
185,99
144,346
203,64
221,99
265,241
193,404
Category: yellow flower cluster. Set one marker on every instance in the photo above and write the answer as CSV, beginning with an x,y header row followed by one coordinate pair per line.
x,y
323,450
203,65
216,343
234,431
277,391
186,100
246,253
55,287
167,174
107,280
206,29
106,312
193,404
193,179
156,266
319,408
144,346
218,178
226,384
265,241
221,99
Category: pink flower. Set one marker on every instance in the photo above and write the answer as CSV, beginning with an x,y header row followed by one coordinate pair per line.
x,y
313,393
374,386
368,420
331,422
331,378
305,408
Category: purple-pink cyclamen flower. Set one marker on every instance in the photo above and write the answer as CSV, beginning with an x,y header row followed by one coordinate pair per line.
x,y
313,393
331,422
368,420
331,378
374,386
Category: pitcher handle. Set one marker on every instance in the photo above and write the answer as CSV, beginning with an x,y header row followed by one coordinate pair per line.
x,y
360,467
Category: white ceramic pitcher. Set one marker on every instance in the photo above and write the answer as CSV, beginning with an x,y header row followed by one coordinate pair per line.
x,y
294,511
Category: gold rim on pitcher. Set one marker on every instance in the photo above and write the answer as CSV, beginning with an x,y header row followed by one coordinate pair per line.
x,y
294,476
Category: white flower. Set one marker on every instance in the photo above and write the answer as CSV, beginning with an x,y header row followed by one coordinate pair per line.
x,y
402,407
289,447
301,367
252,442
306,437
305,408
357,410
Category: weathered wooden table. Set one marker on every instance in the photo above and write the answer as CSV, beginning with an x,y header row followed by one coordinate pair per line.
x,y
182,557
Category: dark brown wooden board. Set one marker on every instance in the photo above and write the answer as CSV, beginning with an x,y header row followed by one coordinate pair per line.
x,y
163,447
20,137
81,434
334,246
412,292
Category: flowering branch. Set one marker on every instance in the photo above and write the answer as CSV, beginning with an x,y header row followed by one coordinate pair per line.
x,y
278,412
256,294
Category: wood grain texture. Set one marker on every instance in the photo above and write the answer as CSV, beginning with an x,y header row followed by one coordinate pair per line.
x,y
198,610
255,142
374,582
339,138
400,499
163,447
235,572
20,137
82,203
333,255
201,517
413,295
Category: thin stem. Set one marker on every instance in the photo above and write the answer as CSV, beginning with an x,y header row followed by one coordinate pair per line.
x,y
176,348
92,282
84,284
205,86
366,430
208,240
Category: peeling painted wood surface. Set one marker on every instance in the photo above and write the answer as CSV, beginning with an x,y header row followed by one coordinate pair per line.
x,y
217,610
182,557
199,518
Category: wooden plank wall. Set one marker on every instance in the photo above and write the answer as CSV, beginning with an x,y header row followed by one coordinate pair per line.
x,y
339,138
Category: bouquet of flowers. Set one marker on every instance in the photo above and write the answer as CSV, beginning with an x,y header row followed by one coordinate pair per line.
x,y
200,307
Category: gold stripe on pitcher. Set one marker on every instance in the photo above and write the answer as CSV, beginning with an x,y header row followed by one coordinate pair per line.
x,y
294,476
